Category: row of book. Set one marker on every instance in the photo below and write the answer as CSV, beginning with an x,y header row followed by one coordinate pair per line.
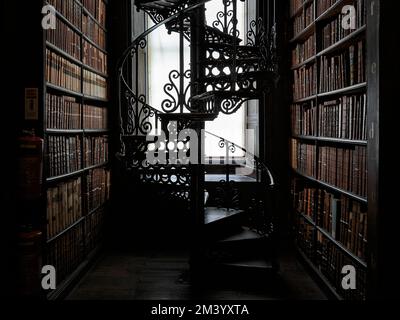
x,y
304,20
335,31
94,225
94,32
66,39
94,58
328,212
304,158
304,200
98,188
324,5
305,82
62,73
304,51
305,236
70,9
64,206
343,218
94,85
345,168
295,5
64,155
359,6
344,118
67,252
97,9
343,70
331,260
95,151
62,112
95,117
353,227
303,117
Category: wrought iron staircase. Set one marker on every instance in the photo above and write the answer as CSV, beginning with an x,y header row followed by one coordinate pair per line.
x,y
232,226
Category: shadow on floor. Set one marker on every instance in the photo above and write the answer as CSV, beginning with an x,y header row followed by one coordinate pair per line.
x,y
163,275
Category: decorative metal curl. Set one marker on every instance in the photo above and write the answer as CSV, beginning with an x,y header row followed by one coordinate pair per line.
x,y
231,105
256,34
139,115
230,146
177,100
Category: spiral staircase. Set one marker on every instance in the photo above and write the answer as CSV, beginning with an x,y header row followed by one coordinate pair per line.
x,y
229,214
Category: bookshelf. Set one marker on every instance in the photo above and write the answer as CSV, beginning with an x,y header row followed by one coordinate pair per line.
x,y
329,141
74,108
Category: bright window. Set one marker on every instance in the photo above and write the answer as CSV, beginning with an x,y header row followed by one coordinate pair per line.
x,y
163,57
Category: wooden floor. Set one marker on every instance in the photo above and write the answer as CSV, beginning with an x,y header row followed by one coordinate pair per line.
x,y
162,275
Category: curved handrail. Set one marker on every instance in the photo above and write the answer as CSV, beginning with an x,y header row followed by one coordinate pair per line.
x,y
136,42
270,176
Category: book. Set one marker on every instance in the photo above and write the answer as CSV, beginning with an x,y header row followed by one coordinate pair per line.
x,y
63,154
304,20
95,150
343,118
63,206
63,73
342,70
333,31
304,51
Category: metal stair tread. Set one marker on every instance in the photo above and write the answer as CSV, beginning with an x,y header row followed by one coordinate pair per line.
x,y
229,61
224,95
223,34
158,4
194,116
259,264
213,214
186,27
231,46
245,234
239,75
232,177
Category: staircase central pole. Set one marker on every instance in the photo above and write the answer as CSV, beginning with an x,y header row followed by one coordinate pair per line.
x,y
197,54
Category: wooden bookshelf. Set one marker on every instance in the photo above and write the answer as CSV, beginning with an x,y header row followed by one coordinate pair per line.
x,y
331,110
73,122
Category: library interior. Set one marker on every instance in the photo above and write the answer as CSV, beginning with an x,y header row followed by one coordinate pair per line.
x,y
199,149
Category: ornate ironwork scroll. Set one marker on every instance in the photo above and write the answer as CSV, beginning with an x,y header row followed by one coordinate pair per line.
x,y
177,100
140,116
227,19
